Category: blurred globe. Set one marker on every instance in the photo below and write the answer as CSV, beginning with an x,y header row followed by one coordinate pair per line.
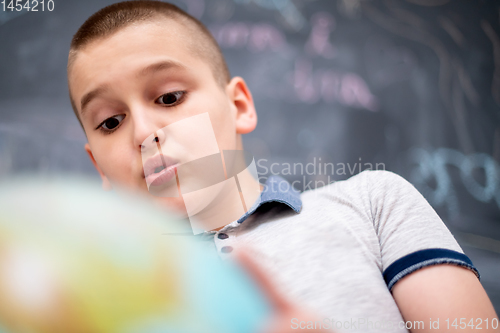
x,y
74,258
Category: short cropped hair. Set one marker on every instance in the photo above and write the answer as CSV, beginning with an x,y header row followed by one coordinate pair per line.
x,y
115,17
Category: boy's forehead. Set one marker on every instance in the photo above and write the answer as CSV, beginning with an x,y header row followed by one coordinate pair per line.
x,y
136,41
135,48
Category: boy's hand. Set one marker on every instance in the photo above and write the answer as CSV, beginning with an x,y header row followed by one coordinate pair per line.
x,y
284,309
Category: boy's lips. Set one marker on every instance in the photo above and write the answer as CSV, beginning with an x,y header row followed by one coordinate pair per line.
x,y
159,169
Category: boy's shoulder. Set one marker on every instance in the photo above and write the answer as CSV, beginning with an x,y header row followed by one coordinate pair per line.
x,y
367,182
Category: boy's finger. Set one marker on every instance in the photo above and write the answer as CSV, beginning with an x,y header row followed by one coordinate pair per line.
x,y
284,309
262,279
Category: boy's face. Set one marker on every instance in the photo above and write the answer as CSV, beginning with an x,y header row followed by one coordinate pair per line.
x,y
139,80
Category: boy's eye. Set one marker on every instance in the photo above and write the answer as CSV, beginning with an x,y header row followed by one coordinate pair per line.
x,y
171,98
112,122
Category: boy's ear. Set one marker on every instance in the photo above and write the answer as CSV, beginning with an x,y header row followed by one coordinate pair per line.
x,y
246,116
106,184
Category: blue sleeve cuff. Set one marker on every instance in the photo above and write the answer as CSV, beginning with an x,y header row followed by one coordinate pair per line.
x,y
419,259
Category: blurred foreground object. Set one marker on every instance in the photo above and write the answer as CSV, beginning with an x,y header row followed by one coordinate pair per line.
x,y
76,259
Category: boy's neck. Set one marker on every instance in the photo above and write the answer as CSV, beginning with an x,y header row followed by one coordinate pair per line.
x,y
230,204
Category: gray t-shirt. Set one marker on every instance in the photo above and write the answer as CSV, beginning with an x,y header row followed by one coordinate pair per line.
x,y
348,246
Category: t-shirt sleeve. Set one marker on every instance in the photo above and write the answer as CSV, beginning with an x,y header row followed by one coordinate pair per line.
x,y
410,232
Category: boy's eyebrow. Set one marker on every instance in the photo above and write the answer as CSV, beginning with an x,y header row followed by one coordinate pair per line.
x,y
159,66
162,65
90,96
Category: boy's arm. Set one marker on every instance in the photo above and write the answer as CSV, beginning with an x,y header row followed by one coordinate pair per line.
x,y
425,269
451,294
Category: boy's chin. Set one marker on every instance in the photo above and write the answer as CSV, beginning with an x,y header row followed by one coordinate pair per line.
x,y
172,205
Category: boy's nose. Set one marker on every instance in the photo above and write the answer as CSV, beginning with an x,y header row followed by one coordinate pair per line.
x,y
148,133
154,140
158,137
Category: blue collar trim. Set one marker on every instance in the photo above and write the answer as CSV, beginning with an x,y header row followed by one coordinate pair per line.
x,y
276,189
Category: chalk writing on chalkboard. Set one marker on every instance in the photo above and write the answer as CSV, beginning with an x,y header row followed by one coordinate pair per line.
x,y
435,165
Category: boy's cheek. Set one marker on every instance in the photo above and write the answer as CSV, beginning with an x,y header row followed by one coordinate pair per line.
x,y
117,169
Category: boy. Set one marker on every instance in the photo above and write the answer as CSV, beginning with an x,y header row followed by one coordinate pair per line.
x,y
366,254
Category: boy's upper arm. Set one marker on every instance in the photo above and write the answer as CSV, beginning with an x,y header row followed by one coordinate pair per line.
x,y
442,298
423,265
410,232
